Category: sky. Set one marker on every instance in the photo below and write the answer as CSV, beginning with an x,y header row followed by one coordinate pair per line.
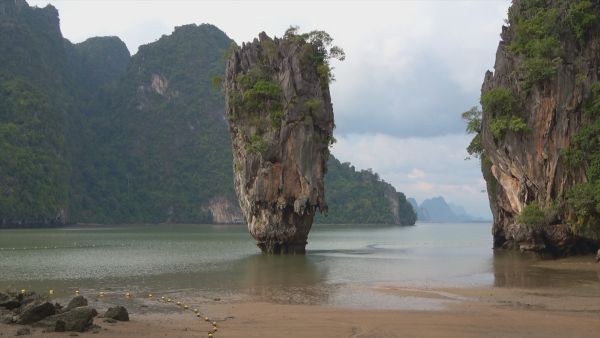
x,y
411,69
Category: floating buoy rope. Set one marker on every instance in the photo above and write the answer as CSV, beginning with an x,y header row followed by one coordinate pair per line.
x,y
162,299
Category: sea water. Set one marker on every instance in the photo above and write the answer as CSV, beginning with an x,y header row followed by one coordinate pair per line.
x,y
343,264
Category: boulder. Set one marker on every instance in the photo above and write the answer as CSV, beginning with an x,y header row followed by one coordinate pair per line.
x,y
34,312
76,302
77,319
118,313
8,301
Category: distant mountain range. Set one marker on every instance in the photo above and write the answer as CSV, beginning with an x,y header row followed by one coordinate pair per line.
x,y
437,210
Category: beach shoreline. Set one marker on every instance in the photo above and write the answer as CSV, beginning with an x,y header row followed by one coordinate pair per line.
x,y
467,312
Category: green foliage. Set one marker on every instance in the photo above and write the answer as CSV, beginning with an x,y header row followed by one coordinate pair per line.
x,y
498,102
501,105
258,94
276,116
142,157
318,51
582,16
532,215
500,125
361,197
540,25
537,31
217,82
256,144
312,104
264,89
247,80
473,119
584,198
33,182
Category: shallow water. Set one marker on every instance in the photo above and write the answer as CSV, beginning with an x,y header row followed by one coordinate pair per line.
x,y
342,265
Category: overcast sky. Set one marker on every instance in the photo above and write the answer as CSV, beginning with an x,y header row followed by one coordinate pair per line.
x,y
411,68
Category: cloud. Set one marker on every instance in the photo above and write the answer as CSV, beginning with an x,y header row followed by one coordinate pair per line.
x,y
416,174
399,162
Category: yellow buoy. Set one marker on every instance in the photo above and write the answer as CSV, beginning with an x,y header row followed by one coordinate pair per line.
x,y
163,297
101,294
210,335
23,291
198,315
206,318
77,292
215,329
168,300
196,310
178,303
185,307
51,292
150,295
128,295
214,324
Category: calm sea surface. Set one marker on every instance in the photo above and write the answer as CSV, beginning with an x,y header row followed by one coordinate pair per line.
x,y
342,264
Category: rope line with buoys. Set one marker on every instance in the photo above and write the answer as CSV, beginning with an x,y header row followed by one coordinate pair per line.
x,y
163,299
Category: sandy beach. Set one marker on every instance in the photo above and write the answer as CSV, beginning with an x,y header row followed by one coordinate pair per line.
x,y
466,312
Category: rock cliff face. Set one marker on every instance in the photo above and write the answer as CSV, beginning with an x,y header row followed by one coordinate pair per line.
x,y
281,123
533,109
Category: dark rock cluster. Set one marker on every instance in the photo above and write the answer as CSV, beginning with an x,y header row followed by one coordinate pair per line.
x,y
28,308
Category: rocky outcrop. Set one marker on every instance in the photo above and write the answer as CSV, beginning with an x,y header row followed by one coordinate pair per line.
x,y
281,123
117,313
543,96
78,319
29,308
224,211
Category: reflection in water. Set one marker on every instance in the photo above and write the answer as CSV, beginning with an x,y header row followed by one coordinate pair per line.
x,y
283,279
516,269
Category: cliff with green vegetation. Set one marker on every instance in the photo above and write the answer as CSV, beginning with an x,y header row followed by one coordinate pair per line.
x,y
281,124
90,134
163,148
538,131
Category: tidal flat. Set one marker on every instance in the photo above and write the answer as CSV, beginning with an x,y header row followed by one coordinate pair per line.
x,y
355,281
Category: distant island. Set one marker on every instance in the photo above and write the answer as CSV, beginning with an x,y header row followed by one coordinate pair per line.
x,y
437,210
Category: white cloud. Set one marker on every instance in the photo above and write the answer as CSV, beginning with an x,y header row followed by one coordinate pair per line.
x,y
416,174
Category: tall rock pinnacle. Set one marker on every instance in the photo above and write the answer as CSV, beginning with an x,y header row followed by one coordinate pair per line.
x,y
281,123
538,134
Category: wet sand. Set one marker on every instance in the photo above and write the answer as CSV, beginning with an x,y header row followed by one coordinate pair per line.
x,y
565,311
469,312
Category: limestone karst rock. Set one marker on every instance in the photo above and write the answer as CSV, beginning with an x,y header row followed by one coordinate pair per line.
x,y
534,109
281,121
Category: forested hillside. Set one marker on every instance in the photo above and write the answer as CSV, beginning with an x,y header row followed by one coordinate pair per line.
x,y
90,134
356,197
